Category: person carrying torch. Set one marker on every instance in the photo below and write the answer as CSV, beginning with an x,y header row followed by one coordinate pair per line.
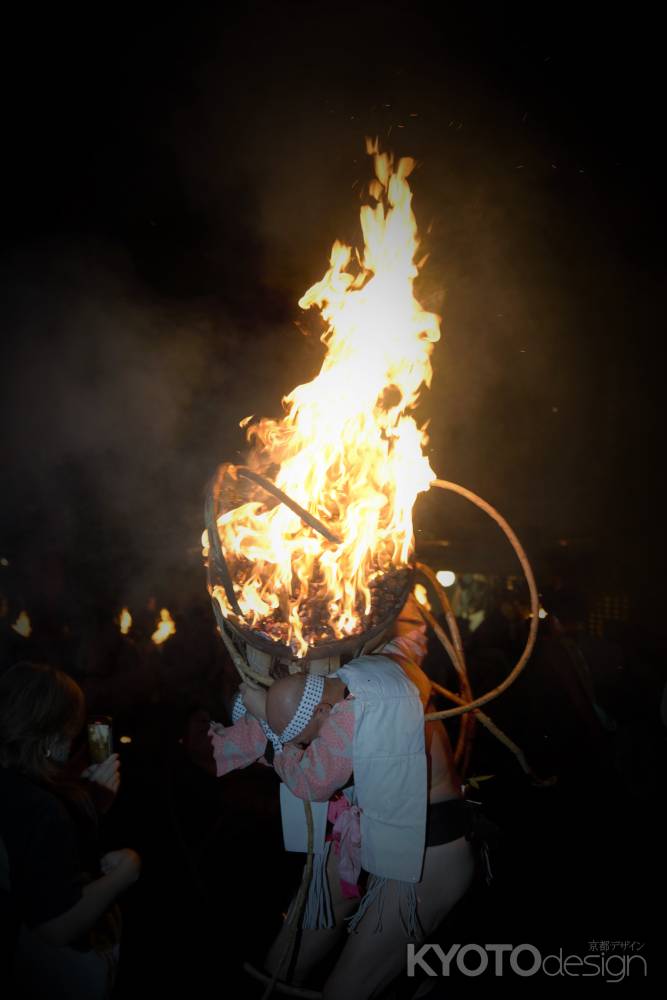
x,y
386,800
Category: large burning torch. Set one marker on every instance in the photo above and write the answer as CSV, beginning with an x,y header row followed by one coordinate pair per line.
x,y
309,544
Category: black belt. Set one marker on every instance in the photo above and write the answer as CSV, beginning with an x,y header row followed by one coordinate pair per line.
x,y
455,818
447,821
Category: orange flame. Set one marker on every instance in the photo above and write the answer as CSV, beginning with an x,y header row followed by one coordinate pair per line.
x,y
22,625
346,450
125,621
165,628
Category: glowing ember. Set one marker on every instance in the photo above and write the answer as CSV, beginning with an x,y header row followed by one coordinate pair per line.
x,y
22,625
165,628
346,450
125,621
422,596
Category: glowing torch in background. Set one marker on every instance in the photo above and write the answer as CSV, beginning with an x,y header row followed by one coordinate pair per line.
x,y
166,628
22,625
125,621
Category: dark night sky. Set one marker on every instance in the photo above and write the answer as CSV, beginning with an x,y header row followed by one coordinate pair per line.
x,y
173,183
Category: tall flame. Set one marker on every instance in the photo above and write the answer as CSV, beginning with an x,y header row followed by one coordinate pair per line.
x,y
346,450
125,621
165,628
22,625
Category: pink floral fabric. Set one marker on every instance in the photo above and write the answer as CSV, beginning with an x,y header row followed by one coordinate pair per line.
x,y
325,766
346,839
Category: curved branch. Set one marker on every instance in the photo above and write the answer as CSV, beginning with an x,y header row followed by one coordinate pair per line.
x,y
215,551
274,490
534,601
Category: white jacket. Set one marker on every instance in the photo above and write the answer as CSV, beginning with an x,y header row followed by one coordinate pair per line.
x,y
390,768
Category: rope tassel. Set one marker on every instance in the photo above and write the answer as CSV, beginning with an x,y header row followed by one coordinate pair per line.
x,y
318,912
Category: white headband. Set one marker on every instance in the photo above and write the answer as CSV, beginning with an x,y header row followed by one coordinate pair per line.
x,y
310,699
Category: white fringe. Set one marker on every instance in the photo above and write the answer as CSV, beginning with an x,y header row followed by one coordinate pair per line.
x,y
408,900
374,891
318,911
407,906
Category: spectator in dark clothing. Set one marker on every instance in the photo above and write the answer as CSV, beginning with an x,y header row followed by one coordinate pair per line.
x,y
56,898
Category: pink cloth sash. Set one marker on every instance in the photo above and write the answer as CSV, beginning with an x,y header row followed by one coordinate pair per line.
x,y
346,838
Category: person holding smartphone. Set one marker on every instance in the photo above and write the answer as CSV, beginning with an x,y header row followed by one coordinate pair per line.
x,y
57,905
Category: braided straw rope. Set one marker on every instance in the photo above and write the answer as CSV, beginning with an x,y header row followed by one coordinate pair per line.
x,y
296,909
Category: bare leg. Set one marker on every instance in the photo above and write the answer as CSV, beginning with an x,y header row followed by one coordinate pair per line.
x,y
314,945
370,961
